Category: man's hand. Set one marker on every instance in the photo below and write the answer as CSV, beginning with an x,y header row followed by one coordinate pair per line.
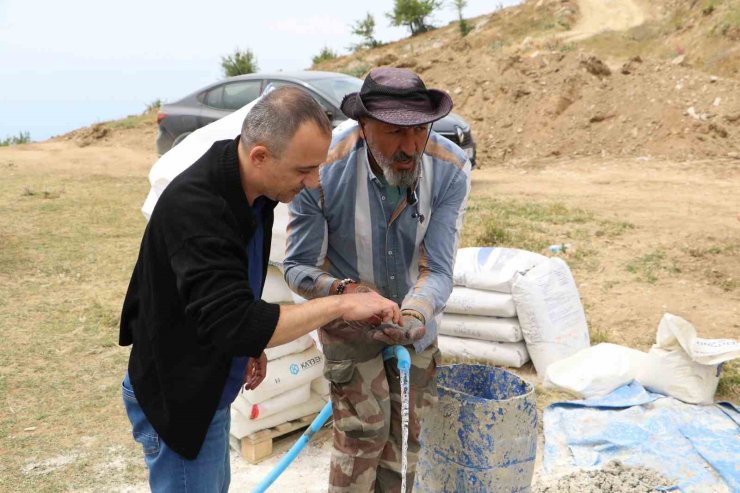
x,y
363,306
361,288
411,330
255,372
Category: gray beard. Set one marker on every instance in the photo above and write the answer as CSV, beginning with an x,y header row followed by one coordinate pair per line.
x,y
401,179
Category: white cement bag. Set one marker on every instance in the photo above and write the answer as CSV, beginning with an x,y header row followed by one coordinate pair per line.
x,y
595,371
674,373
550,313
287,373
242,426
675,332
492,268
484,328
279,233
683,365
466,301
277,404
297,346
513,354
276,290
321,386
180,157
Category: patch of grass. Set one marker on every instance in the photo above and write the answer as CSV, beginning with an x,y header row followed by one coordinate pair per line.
x,y
64,267
356,70
44,194
648,267
133,121
729,382
534,226
598,336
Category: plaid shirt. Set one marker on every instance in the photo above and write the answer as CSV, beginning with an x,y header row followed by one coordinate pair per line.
x,y
345,229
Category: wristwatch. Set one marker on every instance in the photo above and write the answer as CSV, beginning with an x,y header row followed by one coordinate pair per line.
x,y
343,284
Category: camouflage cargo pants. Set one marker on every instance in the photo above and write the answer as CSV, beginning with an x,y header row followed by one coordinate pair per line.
x,y
366,400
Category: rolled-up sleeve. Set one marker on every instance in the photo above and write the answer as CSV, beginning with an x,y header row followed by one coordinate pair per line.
x,y
306,247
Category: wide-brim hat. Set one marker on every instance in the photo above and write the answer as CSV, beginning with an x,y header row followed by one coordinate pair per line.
x,y
396,96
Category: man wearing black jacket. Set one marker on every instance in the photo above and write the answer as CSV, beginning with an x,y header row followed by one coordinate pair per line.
x,y
193,311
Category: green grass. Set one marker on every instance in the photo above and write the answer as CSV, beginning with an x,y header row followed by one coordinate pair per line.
x,y
534,226
649,267
132,121
729,382
67,246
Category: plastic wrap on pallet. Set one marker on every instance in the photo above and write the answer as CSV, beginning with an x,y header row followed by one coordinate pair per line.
x,y
466,301
242,426
513,354
492,268
277,404
287,373
478,327
297,346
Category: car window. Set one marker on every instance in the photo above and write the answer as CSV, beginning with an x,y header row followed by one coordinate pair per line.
x,y
238,94
274,84
214,97
338,87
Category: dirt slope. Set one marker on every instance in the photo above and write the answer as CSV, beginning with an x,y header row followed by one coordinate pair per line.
x,y
534,81
598,16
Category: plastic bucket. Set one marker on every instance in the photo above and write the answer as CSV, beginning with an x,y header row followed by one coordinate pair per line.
x,y
482,436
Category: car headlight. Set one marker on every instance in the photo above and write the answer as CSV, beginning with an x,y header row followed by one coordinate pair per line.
x,y
460,134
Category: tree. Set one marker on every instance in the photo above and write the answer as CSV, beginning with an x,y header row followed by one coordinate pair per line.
x,y
365,28
413,14
240,63
462,23
324,54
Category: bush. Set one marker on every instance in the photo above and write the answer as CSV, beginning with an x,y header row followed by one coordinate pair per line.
x,y
413,14
324,55
462,23
21,138
240,63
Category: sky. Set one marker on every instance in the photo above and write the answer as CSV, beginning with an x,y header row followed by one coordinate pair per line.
x,y
71,63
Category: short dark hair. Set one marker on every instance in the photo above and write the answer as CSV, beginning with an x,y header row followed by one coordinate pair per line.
x,y
276,117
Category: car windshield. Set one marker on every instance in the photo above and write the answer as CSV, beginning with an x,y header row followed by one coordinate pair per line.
x,y
337,87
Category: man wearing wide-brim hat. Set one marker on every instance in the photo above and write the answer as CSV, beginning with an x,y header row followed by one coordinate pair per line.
x,y
386,216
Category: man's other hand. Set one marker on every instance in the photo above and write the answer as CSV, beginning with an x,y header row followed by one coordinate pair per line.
x,y
255,372
411,330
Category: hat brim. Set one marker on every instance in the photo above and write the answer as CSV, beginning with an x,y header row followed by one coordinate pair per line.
x,y
403,116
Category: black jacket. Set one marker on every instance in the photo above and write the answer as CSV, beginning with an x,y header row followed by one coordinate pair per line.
x,y
189,308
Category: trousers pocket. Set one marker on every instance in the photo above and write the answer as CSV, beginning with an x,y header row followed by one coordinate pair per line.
x,y
339,371
149,443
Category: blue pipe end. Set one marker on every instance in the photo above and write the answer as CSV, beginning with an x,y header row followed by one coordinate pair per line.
x,y
401,354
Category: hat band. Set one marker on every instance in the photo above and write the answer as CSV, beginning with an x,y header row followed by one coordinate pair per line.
x,y
412,100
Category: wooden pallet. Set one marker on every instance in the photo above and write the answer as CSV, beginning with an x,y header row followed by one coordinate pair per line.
x,y
258,446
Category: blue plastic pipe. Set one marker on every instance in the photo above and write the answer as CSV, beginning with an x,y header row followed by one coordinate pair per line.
x,y
401,354
404,364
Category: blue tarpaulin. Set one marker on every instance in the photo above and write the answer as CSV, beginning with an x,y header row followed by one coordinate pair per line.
x,y
697,447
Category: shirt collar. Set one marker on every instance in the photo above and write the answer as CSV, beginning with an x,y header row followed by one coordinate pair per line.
x,y
228,179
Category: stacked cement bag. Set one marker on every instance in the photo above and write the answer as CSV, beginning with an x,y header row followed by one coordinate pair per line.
x,y
480,320
294,387
550,313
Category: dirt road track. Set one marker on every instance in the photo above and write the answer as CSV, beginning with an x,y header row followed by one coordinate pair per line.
x,y
598,16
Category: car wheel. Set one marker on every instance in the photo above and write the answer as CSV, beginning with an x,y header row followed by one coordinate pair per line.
x,y
180,138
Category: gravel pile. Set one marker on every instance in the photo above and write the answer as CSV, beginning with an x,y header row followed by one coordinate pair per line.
x,y
614,477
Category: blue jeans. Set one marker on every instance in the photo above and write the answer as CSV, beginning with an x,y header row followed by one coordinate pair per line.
x,y
169,471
